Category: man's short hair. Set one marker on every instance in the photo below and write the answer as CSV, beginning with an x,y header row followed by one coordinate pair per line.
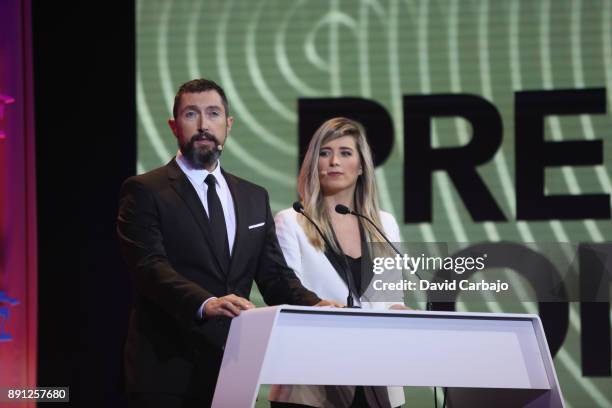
x,y
197,86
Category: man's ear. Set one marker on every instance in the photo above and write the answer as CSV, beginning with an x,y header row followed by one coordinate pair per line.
x,y
172,125
230,123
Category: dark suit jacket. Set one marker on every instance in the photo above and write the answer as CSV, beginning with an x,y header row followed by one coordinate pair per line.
x,y
165,238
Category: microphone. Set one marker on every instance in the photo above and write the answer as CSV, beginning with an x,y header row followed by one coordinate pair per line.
x,y
343,209
298,207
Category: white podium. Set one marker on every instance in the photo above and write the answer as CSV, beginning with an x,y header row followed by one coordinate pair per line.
x,y
484,359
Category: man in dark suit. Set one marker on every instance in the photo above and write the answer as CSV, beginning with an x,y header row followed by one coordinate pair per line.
x,y
195,238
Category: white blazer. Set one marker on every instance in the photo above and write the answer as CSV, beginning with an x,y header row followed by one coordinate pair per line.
x,y
317,273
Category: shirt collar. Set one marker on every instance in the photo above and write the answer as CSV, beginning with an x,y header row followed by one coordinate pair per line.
x,y
198,175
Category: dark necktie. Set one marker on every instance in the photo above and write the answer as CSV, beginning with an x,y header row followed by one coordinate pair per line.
x,y
217,223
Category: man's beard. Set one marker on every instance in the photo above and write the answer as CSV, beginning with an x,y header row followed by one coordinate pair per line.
x,y
203,156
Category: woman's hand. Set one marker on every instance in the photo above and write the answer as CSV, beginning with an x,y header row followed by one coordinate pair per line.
x,y
399,306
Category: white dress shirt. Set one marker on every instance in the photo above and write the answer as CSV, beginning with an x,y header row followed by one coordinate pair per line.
x,y
196,177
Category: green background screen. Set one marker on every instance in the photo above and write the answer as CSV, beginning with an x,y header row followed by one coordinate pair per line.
x,y
267,54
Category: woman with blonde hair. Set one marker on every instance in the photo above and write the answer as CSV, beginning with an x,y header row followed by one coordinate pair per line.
x,y
337,169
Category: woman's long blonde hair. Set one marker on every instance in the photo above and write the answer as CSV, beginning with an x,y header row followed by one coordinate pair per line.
x,y
309,188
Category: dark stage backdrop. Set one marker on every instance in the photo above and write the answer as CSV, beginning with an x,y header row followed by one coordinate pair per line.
x,y
273,57
84,85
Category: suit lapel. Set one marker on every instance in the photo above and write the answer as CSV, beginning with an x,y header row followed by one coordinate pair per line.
x,y
367,273
335,259
239,208
185,190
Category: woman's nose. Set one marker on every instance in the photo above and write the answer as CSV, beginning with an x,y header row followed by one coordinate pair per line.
x,y
333,160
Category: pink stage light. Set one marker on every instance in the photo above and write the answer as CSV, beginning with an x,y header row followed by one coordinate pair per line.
x,y
4,100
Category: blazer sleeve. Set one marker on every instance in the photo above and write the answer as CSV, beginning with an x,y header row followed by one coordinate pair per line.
x,y
277,283
288,241
141,242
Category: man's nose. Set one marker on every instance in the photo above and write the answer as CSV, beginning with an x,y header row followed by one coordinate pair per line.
x,y
202,124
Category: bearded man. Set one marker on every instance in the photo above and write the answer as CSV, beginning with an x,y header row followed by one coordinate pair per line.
x,y
195,238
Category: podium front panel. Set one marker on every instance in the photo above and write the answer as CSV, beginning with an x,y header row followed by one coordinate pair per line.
x,y
478,357
449,351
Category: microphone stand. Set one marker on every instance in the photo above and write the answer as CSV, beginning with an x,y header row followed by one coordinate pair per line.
x,y
343,209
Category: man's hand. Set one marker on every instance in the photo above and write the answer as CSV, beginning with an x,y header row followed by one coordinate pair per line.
x,y
229,305
329,303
